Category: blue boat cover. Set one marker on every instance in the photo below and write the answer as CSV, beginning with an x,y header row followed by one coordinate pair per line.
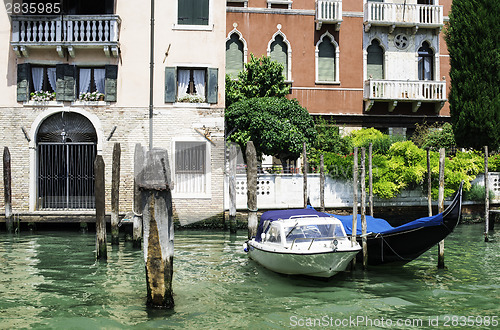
x,y
373,225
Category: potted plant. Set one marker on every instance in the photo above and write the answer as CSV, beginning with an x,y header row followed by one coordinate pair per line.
x,y
42,96
191,98
91,96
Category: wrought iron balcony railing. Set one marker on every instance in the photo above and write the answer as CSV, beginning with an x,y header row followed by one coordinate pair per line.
x,y
65,31
402,15
394,91
328,12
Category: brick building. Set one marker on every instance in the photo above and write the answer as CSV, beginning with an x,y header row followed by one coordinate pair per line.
x,y
56,54
358,63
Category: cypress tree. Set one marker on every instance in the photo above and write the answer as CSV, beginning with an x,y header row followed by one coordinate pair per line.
x,y
473,40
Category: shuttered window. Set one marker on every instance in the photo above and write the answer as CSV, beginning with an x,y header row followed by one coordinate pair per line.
x,y
279,53
375,61
326,60
234,56
192,12
192,85
23,82
190,167
65,82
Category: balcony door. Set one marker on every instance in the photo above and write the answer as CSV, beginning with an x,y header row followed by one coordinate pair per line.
x,y
66,150
375,61
425,62
88,7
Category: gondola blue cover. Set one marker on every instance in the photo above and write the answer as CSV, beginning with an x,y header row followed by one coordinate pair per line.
x,y
373,225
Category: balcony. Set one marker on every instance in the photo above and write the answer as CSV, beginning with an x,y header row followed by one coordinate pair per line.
x,y
65,32
328,12
394,91
402,15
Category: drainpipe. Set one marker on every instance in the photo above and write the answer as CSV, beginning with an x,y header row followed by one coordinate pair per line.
x,y
151,72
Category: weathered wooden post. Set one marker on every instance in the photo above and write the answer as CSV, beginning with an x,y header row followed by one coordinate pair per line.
x,y
305,169
7,188
363,210
441,204
232,188
429,182
370,177
137,219
154,181
486,195
354,194
251,155
100,212
322,182
115,194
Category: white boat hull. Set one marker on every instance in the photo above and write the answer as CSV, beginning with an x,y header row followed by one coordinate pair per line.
x,y
319,264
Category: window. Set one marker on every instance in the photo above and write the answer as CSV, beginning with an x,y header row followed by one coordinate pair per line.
x,y
88,7
192,12
190,167
327,56
279,53
425,62
91,80
375,61
191,85
67,81
234,55
43,79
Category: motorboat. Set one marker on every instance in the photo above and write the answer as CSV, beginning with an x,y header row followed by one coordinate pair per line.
x,y
300,242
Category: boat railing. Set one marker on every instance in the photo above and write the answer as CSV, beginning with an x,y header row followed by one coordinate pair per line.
x,y
313,239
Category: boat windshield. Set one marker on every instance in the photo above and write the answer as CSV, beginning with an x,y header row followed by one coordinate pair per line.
x,y
319,231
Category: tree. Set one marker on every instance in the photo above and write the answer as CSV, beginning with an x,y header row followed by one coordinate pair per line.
x,y
473,39
262,77
277,126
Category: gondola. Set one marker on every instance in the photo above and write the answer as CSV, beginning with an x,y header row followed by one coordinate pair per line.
x,y
402,244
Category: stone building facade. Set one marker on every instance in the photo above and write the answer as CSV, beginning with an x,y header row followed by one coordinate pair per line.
x,y
76,48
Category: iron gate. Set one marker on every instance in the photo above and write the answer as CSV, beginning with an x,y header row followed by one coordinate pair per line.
x,y
66,175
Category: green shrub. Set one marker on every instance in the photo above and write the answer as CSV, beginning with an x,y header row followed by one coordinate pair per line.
x,y
494,163
330,140
477,193
435,136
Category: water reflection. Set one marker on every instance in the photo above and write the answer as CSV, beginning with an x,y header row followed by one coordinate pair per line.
x,y
51,280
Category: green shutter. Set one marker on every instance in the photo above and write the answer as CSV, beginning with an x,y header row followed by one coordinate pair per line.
x,y
23,82
70,82
326,61
185,12
170,84
65,82
110,83
279,53
375,61
234,56
200,12
212,86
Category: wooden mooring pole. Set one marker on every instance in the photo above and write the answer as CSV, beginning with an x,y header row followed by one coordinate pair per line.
x,y
429,183
137,219
370,177
154,181
486,195
7,186
232,188
305,169
354,200
251,156
100,198
115,194
363,210
441,204
322,182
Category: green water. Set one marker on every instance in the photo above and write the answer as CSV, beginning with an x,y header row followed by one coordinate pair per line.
x,y
51,280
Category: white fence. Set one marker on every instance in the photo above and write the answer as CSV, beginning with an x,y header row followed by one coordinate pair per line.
x,y
383,13
63,29
329,11
286,191
405,90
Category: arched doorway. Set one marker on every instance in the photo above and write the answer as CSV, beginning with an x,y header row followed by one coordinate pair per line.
x,y
66,150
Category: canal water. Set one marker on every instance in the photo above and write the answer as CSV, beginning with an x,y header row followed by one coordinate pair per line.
x,y
51,280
